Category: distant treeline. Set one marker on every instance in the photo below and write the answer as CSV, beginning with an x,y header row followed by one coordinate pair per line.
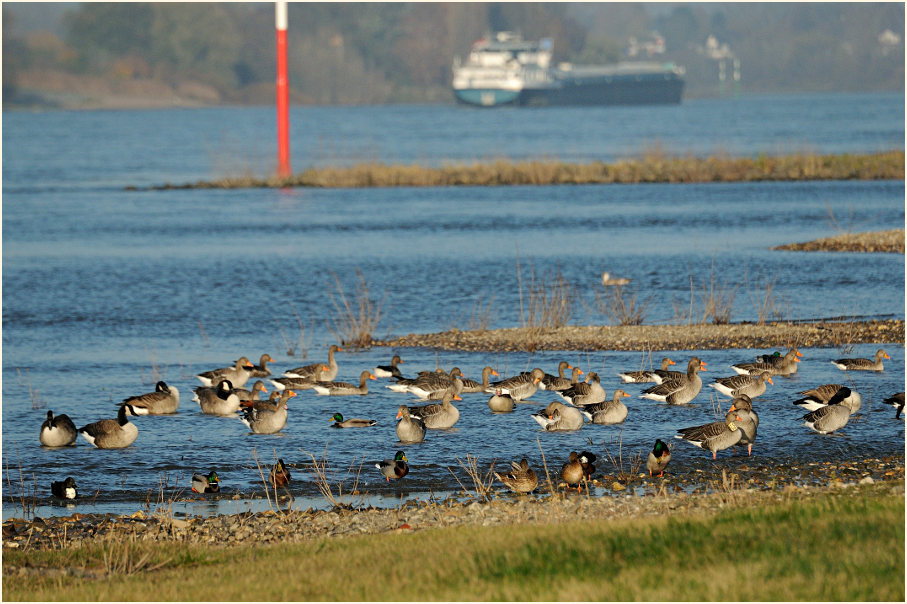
x,y
653,168
360,53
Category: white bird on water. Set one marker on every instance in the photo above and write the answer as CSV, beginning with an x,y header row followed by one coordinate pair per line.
x,y
607,280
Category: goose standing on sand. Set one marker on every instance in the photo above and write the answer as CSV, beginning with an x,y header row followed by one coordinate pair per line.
x,y
896,401
783,366
163,401
57,431
353,422
641,377
608,412
559,381
521,478
66,489
439,416
681,391
862,364
500,402
821,396
827,419
750,385
715,436
585,393
206,484
386,371
344,388
519,387
558,417
261,370
658,458
267,418
471,386
220,401
238,375
410,429
395,468
317,372
112,433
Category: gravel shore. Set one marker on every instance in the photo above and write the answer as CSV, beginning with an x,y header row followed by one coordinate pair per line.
x,y
880,241
823,334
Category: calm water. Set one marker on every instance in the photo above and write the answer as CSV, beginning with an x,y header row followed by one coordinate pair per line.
x,y
103,288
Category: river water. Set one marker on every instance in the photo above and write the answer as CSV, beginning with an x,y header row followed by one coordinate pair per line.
x,y
106,290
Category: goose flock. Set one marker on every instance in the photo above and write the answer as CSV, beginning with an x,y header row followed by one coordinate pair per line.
x,y
829,408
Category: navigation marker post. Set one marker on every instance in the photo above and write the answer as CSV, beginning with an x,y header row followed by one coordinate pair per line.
x,y
283,93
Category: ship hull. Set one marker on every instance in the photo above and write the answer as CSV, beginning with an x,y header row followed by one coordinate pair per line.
x,y
487,97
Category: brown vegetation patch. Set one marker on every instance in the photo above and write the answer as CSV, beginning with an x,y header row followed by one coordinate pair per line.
x,y
879,241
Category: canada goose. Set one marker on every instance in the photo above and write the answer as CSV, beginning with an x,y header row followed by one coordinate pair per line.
x,y
58,431
816,398
112,433
386,371
896,401
220,400
164,400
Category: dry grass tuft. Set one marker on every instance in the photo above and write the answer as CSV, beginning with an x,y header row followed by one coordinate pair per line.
x,y
353,324
481,483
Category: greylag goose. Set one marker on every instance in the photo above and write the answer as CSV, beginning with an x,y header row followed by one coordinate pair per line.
x,y
268,404
66,489
57,431
608,412
261,370
681,391
206,484
253,394
785,366
658,458
403,384
585,393
111,433
293,383
164,400
353,422
344,388
559,381
501,403
386,371
520,479
750,385
395,468
318,372
519,387
821,396
715,436
572,471
862,364
641,377
267,418
218,401
896,401
827,419
435,392
238,375
409,429
431,385
439,416
470,386
558,417
743,406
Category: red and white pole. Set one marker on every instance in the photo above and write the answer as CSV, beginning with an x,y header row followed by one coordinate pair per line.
x,y
283,93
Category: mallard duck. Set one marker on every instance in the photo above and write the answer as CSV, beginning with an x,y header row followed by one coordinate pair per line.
x,y
353,422
238,375
572,471
65,489
557,417
750,385
678,392
816,398
57,431
785,366
658,458
410,429
267,417
774,357
220,400
386,371
585,393
896,401
501,403
206,484
470,386
715,436
164,400
641,377
395,468
261,370
519,387
112,433
827,419
318,372
520,479
863,364
608,412
344,388
439,416
279,474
